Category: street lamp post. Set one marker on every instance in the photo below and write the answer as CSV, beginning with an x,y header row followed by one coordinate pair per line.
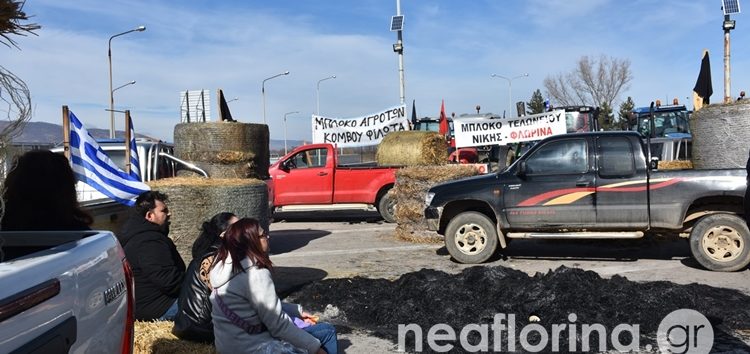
x,y
286,114
123,85
263,92
111,91
317,93
510,89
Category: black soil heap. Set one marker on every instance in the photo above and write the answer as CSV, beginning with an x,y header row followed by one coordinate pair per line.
x,y
474,296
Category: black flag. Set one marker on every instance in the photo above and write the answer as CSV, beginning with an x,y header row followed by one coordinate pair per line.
x,y
413,113
224,108
703,88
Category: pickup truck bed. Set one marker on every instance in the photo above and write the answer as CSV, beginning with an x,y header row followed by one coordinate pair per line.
x,y
64,292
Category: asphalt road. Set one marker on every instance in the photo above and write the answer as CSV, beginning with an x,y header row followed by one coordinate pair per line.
x,y
307,247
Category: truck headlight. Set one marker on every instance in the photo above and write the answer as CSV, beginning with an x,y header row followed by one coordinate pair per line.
x,y
428,198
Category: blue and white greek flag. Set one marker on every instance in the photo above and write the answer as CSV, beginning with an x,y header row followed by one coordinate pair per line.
x,y
135,166
92,166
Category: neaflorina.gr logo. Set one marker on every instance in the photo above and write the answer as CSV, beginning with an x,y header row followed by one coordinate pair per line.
x,y
532,337
685,331
682,331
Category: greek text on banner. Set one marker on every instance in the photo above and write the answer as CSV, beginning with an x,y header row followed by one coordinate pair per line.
x,y
488,131
359,131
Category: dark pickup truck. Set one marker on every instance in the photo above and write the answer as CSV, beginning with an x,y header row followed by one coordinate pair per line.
x,y
593,186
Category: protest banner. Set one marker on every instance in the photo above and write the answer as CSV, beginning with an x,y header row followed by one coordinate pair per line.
x,y
359,131
502,131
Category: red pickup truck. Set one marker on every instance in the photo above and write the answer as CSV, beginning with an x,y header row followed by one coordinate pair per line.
x,y
310,178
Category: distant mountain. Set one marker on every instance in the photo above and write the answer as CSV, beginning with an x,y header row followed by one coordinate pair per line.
x,y
49,133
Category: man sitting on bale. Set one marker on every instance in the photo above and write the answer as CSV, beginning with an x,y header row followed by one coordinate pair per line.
x,y
157,267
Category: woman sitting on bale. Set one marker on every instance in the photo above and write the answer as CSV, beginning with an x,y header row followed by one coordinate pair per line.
x,y
193,319
248,317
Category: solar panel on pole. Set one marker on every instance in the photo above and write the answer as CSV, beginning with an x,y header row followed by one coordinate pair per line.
x,y
397,23
731,6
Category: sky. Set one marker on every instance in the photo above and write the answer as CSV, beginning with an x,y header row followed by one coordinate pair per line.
x,y
451,48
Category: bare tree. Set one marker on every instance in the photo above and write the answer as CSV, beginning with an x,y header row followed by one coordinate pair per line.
x,y
593,82
11,15
15,98
15,103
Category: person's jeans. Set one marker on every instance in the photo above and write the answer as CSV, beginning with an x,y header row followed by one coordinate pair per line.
x,y
326,334
170,314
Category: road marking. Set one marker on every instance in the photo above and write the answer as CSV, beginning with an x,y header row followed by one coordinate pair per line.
x,y
354,251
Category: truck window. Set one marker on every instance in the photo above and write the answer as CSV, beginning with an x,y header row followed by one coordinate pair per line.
x,y
616,158
310,158
559,157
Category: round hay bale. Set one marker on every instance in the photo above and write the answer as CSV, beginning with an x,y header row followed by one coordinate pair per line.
x,y
412,184
239,148
194,200
412,148
217,170
720,135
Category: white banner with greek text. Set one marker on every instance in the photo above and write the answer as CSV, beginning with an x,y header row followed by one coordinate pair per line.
x,y
359,131
487,131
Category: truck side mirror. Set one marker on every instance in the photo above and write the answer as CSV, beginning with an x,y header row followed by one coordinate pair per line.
x,y
285,165
521,172
654,164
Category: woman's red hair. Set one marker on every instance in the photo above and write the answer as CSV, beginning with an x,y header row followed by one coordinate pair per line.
x,y
241,240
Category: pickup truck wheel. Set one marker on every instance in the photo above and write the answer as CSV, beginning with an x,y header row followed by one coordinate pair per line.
x,y
471,238
387,207
721,242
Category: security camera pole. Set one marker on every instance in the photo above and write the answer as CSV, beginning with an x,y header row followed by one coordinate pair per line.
x,y
397,25
729,7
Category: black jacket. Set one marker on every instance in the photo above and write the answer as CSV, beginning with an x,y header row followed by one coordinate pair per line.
x,y
193,319
157,267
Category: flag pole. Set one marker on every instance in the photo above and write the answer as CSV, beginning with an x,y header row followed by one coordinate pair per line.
x,y
66,132
127,141
219,94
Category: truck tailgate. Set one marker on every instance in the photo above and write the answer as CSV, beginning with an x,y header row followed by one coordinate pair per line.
x,y
88,313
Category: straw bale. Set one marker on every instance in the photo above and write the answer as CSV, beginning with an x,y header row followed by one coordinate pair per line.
x,y
675,165
241,148
226,157
195,200
156,337
412,184
222,170
412,148
720,135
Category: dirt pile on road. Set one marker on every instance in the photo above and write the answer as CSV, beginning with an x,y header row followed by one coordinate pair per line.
x,y
477,294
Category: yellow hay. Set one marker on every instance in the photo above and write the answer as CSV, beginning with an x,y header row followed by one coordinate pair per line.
x,y
412,148
675,165
156,337
205,182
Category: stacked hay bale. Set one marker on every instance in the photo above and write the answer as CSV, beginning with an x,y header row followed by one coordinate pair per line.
x,y
412,148
721,135
195,200
411,188
224,149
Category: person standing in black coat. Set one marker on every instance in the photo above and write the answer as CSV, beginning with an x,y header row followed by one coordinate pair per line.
x,y
157,267
193,319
